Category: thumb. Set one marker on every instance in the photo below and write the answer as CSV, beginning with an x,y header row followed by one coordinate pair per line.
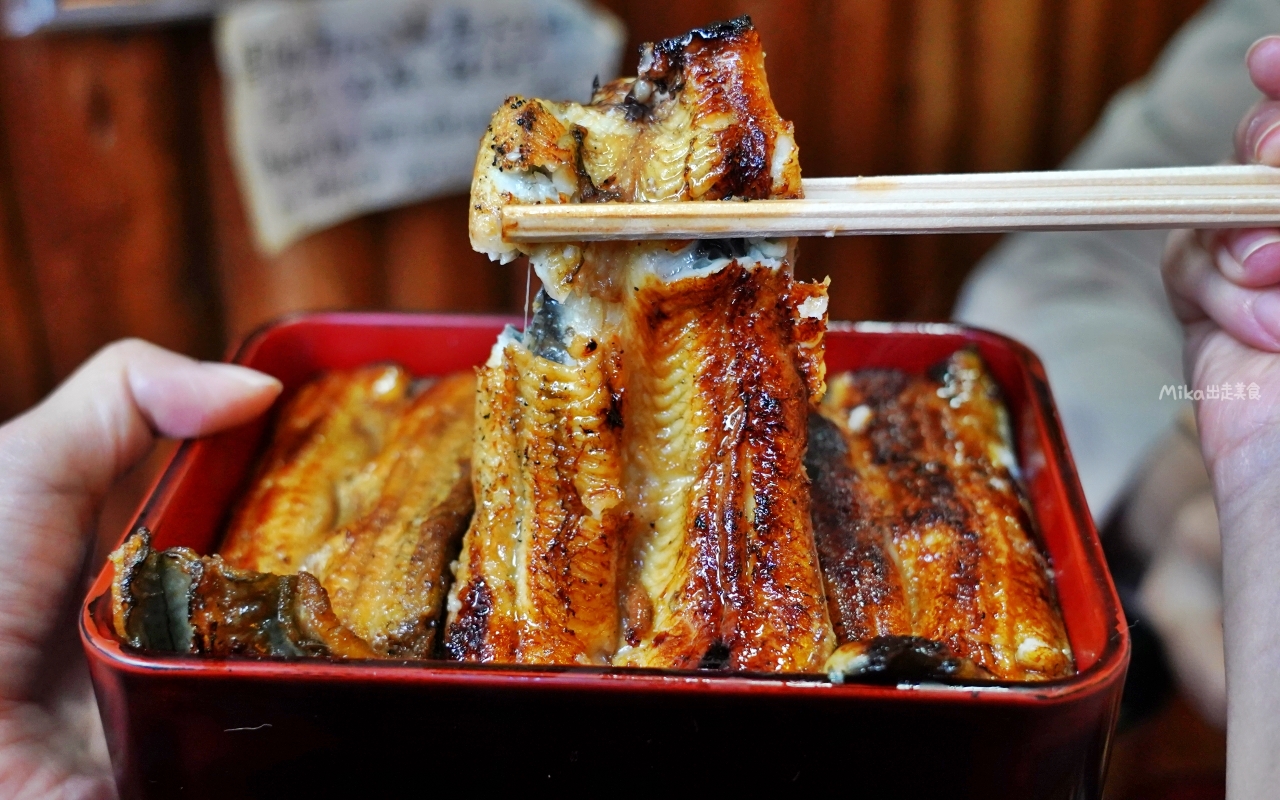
x,y
105,417
1257,137
57,461
1263,61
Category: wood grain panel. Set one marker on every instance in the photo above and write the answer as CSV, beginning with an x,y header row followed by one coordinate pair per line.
x,y
1138,36
1180,11
96,168
936,73
430,265
1080,89
23,361
857,104
1009,82
335,268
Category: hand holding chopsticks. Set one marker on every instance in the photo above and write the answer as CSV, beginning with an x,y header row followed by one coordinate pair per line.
x,y
1186,197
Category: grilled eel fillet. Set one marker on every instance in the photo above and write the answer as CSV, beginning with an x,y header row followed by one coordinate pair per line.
x,y
921,529
310,479
177,601
386,570
722,560
537,578
644,437
697,123
365,490
349,447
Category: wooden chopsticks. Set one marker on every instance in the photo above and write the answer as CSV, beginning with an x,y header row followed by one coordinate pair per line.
x,y
1185,197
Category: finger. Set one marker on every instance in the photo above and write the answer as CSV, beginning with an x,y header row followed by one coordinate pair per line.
x,y
1258,135
1263,60
105,416
1198,289
58,459
1181,247
1252,256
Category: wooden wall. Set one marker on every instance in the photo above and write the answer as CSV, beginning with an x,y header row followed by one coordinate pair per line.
x,y
120,215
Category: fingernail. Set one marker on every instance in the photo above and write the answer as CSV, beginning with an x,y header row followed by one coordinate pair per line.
x,y
1263,241
250,377
1267,150
1253,48
1245,246
1228,264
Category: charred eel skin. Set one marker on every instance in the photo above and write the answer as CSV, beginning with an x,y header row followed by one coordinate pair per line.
x,y
176,601
710,354
722,559
537,578
919,517
864,581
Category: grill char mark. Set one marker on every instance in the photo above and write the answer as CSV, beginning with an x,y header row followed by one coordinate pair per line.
x,y
747,575
537,579
482,618
668,331
927,458
723,64
865,591
781,621
572,551
467,637
696,124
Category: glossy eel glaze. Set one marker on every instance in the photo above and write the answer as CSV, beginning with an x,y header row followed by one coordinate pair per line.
x,y
386,571
342,543
308,482
921,527
640,491
654,473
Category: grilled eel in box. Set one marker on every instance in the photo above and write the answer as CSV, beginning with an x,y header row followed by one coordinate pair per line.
x,y
363,487
925,542
387,570
309,481
180,602
640,491
638,456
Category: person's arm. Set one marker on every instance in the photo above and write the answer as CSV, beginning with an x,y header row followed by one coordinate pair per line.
x,y
1225,289
56,463
1090,304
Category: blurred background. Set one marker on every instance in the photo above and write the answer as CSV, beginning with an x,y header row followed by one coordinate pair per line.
x,y
121,213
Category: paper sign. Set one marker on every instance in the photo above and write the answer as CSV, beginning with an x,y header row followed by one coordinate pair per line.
x,y
340,107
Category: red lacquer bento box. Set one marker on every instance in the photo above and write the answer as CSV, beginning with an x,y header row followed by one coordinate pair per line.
x,y
180,726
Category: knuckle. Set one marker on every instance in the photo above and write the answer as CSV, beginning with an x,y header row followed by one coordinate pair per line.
x,y
118,355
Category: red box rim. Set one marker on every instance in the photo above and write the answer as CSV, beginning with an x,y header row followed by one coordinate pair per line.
x,y
1109,667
